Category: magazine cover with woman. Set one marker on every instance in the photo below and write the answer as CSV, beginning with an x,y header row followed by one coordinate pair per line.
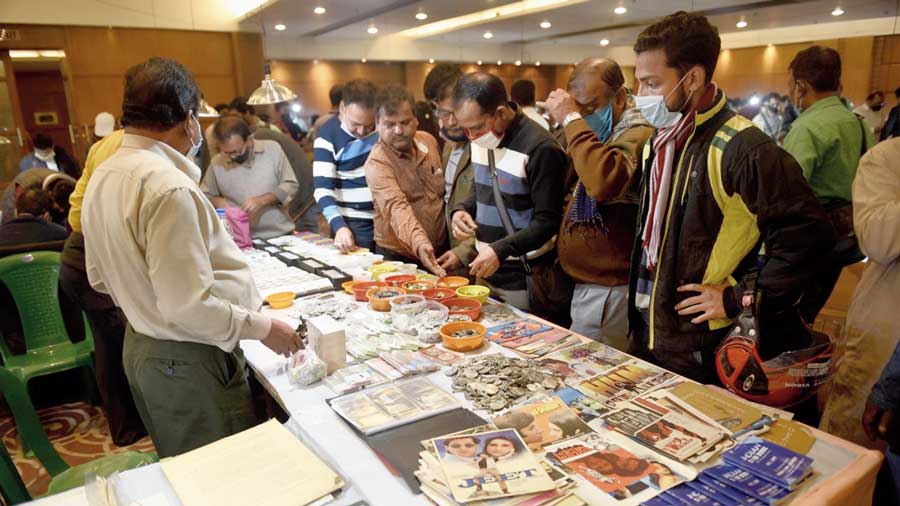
x,y
490,465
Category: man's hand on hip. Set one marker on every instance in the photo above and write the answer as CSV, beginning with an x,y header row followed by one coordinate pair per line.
x,y
708,302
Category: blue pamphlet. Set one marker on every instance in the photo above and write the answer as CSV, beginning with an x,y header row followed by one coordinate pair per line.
x,y
748,483
769,461
740,497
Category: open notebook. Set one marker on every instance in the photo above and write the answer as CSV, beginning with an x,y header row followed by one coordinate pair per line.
x,y
263,466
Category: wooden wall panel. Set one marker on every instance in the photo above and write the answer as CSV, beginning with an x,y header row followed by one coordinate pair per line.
x,y
248,59
886,66
759,70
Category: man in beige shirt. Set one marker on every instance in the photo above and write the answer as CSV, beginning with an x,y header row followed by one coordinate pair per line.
x,y
407,182
252,174
154,244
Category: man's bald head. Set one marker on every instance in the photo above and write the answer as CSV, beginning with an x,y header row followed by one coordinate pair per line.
x,y
589,77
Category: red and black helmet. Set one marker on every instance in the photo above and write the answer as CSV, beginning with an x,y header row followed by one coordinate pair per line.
x,y
782,381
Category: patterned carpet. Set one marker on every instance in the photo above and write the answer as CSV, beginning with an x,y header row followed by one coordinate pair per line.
x,y
78,432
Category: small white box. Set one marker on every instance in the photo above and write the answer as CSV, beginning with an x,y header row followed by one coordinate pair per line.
x,y
326,337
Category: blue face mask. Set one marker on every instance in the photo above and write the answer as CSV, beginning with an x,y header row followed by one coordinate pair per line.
x,y
601,122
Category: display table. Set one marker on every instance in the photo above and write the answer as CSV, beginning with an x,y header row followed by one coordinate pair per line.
x,y
845,472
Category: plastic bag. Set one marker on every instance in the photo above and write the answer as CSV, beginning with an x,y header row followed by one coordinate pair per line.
x,y
306,368
240,226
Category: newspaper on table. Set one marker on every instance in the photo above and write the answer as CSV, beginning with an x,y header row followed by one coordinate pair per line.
x,y
624,382
583,360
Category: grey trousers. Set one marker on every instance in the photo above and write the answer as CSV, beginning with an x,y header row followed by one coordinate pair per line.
x,y
188,394
601,313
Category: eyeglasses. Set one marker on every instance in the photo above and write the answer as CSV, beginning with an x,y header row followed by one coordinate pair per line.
x,y
440,113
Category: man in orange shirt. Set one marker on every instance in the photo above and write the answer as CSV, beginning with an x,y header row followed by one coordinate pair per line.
x,y
404,173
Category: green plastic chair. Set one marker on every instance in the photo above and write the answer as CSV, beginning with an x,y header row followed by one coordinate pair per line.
x,y
64,477
33,280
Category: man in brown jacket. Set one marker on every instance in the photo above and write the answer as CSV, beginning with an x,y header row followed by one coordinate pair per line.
x,y
404,173
459,176
604,136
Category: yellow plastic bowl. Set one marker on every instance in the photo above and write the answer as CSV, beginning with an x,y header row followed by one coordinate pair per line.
x,y
477,292
281,300
427,277
379,269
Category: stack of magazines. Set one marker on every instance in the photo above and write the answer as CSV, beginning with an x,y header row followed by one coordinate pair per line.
x,y
755,472
487,466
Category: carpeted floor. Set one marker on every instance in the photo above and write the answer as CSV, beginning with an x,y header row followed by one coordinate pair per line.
x,y
78,432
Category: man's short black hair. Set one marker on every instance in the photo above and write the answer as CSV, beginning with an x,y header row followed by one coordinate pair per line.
x,y
897,93
43,141
159,94
876,93
35,201
440,81
819,66
336,94
522,92
390,98
487,90
360,92
221,107
240,105
771,96
688,39
232,125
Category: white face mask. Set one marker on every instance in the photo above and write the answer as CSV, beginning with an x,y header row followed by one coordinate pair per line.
x,y
195,148
44,156
489,140
655,110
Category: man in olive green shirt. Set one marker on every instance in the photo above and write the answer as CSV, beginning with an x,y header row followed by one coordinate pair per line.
x,y
827,140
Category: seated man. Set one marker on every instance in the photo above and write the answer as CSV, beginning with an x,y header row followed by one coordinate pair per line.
x,y
47,155
254,175
32,222
604,134
518,159
404,173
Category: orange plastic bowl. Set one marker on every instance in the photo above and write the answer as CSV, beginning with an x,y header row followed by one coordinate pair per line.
x,y
380,297
348,286
463,336
439,294
398,279
361,289
452,282
460,305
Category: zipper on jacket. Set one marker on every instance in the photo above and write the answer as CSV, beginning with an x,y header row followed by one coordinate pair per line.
x,y
663,243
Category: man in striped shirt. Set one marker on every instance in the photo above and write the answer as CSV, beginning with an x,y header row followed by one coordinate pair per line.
x,y
340,151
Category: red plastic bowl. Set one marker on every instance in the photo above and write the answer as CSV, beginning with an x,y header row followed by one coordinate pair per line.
x,y
362,288
459,305
439,294
398,279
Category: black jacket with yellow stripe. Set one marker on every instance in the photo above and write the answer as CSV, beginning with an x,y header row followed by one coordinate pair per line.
x,y
733,188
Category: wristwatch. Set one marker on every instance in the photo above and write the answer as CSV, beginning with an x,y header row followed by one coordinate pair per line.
x,y
572,116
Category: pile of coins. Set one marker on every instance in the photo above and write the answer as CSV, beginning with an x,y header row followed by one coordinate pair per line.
x,y
325,305
498,313
496,382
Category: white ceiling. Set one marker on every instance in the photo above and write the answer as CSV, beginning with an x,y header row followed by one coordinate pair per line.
x,y
300,20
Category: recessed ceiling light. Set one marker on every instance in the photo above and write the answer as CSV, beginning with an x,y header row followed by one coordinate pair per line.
x,y
478,62
518,63
364,60
837,11
488,35
315,62
431,60
545,24
604,42
537,64
319,9
280,27
620,10
742,23
421,15
372,29
499,62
